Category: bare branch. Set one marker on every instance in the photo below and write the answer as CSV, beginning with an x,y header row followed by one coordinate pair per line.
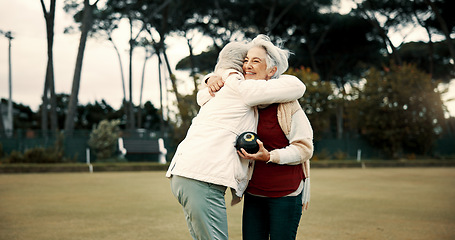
x,y
279,17
44,8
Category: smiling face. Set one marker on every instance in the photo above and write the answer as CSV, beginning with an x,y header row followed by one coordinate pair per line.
x,y
255,65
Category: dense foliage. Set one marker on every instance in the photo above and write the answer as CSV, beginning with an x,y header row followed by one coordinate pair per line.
x,y
103,139
400,110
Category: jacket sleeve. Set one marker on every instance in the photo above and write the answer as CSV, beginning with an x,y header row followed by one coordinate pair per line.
x,y
257,92
203,95
300,138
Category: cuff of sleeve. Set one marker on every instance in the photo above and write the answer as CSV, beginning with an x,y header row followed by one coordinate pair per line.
x,y
207,77
274,157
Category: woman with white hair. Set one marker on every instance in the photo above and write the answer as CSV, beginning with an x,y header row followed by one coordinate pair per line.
x,y
279,187
206,162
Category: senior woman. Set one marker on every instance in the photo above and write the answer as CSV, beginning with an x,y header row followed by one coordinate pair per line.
x,y
279,186
206,162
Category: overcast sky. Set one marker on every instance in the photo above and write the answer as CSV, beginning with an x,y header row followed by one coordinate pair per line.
x,y
100,74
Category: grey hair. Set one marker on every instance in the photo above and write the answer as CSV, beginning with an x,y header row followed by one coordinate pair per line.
x,y
232,56
276,56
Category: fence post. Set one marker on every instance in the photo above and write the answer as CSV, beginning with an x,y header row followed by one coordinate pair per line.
x,y
87,154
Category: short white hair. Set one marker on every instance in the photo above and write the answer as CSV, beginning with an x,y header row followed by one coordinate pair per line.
x,y
276,56
232,56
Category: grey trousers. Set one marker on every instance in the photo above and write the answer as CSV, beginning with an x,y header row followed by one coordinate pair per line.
x,y
204,207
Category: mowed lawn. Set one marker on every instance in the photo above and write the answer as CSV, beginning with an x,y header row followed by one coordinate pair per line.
x,y
346,203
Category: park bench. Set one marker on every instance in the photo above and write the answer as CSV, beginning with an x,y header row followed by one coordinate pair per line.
x,y
132,148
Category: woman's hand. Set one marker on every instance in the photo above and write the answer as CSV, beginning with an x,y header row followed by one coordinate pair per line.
x,y
214,84
261,155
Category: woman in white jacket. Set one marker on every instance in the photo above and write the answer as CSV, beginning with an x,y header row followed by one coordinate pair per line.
x,y
206,161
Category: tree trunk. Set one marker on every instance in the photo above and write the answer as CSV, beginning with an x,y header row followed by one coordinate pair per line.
x,y
174,85
50,71
44,114
44,106
49,82
130,117
162,127
193,72
139,112
130,113
122,77
86,26
121,68
431,52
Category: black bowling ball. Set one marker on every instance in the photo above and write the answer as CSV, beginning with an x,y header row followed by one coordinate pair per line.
x,y
247,141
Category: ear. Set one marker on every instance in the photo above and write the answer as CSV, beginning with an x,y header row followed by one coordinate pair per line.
x,y
272,72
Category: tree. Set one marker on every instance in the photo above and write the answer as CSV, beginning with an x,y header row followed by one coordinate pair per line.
x,y
103,139
87,21
400,110
337,47
431,57
314,36
166,18
441,14
151,119
394,16
105,22
49,83
104,25
161,88
317,102
139,14
390,10
93,113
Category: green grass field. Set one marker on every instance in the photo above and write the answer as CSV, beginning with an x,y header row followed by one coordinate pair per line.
x,y
346,203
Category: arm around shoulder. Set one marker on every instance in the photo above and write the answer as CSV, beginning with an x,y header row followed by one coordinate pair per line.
x,y
257,92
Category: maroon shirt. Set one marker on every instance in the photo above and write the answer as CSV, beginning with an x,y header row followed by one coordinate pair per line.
x,y
271,179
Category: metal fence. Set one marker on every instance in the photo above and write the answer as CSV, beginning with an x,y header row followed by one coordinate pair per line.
x,y
75,147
